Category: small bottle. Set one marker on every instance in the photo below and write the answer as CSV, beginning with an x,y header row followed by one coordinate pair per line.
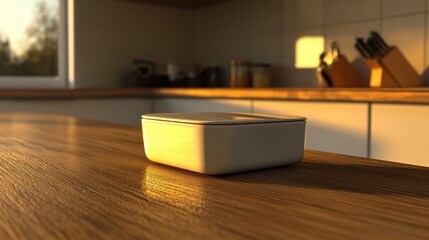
x,y
261,77
173,71
240,74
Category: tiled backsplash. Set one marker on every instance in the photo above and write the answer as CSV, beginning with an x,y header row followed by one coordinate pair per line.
x,y
266,31
110,34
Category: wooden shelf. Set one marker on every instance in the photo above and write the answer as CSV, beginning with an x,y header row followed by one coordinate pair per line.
x,y
189,4
394,95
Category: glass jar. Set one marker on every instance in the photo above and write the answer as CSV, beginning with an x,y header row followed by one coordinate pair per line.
x,y
261,77
240,74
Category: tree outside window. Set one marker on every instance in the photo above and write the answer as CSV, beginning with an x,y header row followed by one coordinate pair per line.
x,y
39,44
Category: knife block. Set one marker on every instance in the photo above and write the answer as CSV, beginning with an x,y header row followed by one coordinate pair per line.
x,y
342,74
379,76
395,70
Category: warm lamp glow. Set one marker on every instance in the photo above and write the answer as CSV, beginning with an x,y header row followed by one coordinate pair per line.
x,y
307,51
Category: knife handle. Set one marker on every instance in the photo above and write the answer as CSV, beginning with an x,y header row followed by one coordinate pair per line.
x,y
362,51
362,47
380,40
378,51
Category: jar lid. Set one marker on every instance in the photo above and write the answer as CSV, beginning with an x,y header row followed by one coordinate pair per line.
x,y
220,118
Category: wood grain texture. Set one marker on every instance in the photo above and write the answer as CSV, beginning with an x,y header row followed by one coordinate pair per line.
x,y
383,95
66,178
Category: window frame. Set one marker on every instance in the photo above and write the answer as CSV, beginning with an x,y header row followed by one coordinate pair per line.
x,y
59,81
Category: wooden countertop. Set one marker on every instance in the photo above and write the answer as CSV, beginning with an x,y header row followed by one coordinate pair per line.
x,y
386,95
67,178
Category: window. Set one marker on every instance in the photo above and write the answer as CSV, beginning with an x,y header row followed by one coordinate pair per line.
x,y
33,43
308,50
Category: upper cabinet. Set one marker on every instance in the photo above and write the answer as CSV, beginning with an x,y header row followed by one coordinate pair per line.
x,y
191,4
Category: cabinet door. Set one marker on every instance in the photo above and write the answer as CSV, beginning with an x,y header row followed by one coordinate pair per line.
x,y
201,105
399,133
123,111
331,127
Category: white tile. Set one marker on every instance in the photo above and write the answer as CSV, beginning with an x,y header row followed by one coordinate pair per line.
x,y
220,34
267,16
332,127
300,14
263,45
400,7
311,13
290,39
228,18
207,50
110,34
294,77
298,78
290,15
236,47
408,34
340,11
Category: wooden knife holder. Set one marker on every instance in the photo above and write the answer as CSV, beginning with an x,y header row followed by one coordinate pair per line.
x,y
392,70
379,77
342,74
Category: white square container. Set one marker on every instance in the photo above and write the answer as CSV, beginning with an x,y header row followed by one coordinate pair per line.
x,y
222,143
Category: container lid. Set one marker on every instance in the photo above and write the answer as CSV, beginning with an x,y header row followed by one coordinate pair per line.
x,y
220,118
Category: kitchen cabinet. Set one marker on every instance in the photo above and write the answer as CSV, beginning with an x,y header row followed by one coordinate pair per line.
x,y
332,127
201,105
123,111
399,133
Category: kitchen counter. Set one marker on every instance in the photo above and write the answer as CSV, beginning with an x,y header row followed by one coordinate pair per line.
x,y
386,95
68,178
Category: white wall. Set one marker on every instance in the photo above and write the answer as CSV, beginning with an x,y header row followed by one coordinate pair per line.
x,y
240,29
267,31
111,33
